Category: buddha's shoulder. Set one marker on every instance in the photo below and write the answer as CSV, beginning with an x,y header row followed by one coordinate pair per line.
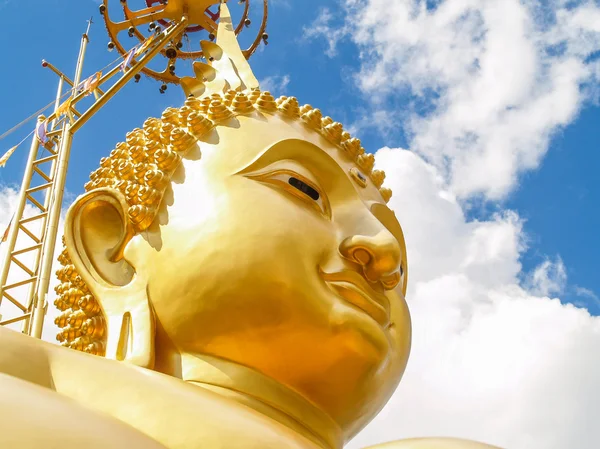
x,y
433,443
168,410
25,358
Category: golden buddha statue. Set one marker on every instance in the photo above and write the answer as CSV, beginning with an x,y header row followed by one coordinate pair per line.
x,y
236,279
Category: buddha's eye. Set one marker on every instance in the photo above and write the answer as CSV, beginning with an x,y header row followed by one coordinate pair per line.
x,y
298,186
304,188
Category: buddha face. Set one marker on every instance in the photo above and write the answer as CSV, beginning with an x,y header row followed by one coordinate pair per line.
x,y
272,251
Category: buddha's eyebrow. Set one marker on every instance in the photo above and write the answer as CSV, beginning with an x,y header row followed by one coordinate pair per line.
x,y
305,153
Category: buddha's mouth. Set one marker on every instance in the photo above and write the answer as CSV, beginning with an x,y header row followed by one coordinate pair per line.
x,y
353,288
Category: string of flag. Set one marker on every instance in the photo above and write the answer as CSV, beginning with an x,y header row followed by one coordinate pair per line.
x,y
5,235
9,153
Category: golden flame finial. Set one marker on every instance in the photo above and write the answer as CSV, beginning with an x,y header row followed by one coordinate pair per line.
x,y
226,68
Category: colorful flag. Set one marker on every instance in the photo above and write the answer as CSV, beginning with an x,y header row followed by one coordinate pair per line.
x,y
145,45
64,108
5,236
7,155
128,59
92,83
40,133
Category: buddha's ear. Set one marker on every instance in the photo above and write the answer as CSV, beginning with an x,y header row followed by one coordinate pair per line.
x,y
97,231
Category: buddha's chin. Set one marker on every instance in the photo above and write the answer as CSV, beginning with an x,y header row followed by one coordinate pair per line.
x,y
363,335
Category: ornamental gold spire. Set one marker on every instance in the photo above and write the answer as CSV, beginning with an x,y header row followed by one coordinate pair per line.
x,y
226,68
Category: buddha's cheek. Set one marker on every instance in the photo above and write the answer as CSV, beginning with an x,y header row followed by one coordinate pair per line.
x,y
248,270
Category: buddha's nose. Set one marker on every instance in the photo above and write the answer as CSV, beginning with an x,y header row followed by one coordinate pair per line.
x,y
379,255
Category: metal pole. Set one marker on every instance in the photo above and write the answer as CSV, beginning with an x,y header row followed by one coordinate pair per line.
x,y
79,67
14,227
51,232
55,200
128,75
57,102
27,323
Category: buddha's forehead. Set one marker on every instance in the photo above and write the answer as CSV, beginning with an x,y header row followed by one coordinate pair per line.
x,y
269,139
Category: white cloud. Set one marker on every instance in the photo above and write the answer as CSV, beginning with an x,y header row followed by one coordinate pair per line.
x,y
548,278
276,84
492,360
586,293
491,81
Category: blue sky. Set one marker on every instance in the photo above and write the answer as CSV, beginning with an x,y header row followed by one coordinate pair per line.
x,y
485,116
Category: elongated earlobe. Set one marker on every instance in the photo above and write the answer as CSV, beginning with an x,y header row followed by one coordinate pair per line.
x,y
97,232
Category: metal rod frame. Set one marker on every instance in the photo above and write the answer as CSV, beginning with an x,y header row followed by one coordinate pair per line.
x,y
30,266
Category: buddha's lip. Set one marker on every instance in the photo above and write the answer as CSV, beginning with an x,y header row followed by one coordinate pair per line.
x,y
355,289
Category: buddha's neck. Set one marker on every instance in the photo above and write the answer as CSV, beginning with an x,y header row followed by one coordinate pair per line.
x,y
264,395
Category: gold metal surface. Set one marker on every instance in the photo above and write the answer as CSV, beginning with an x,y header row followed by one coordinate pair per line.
x,y
236,266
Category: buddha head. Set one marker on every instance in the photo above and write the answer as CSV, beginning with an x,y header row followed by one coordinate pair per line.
x,y
251,230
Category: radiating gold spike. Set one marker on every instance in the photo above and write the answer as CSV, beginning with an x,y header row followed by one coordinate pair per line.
x,y
227,41
226,74
192,87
